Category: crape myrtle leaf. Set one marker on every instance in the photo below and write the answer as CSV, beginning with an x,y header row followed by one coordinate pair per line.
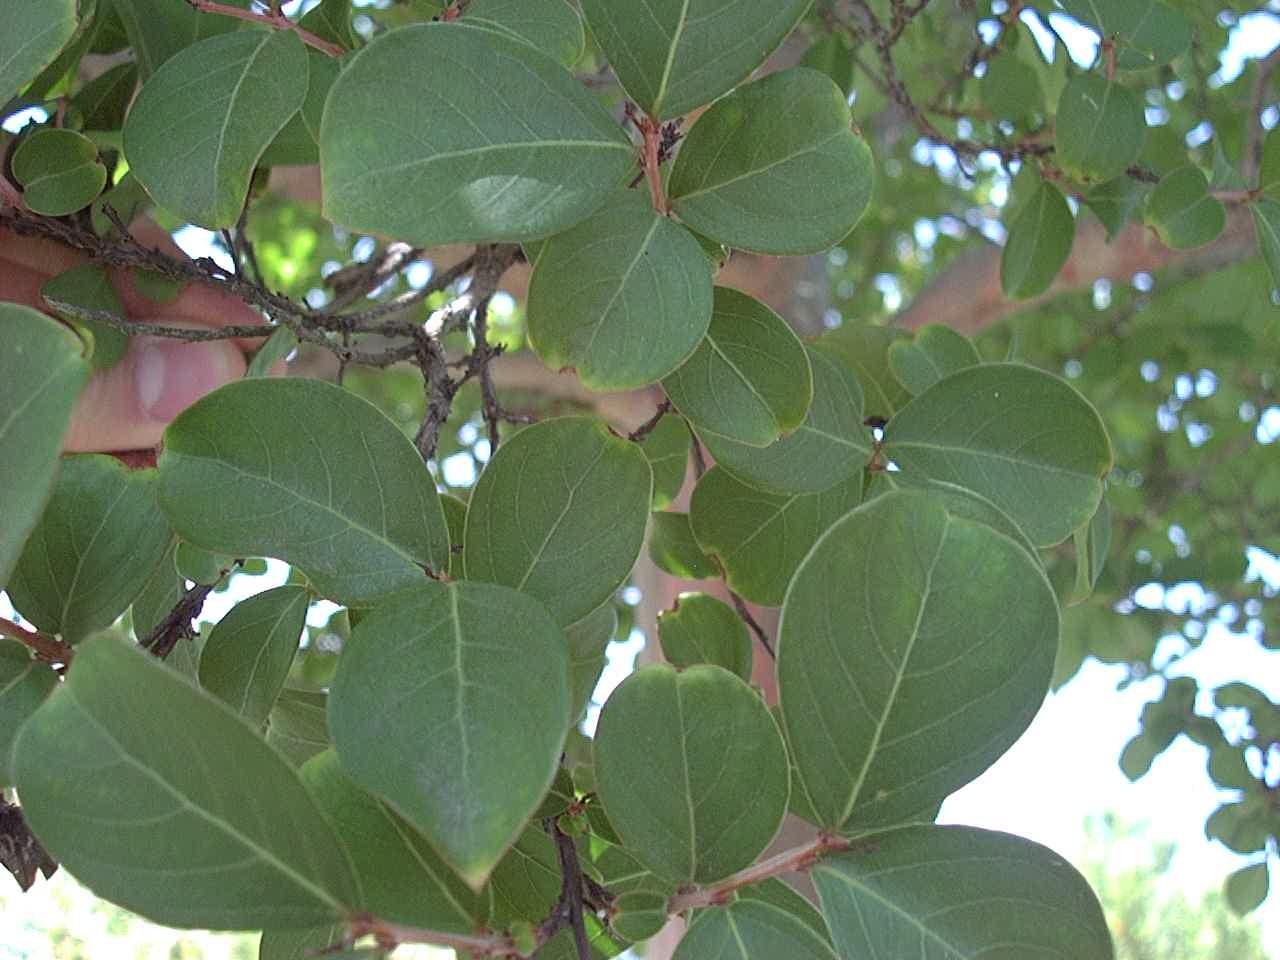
x,y
749,379
309,473
1023,438
1092,541
455,518
59,171
958,892
298,142
1114,202
1269,170
298,725
1266,223
108,784
275,348
1247,887
305,943
588,639
247,657
623,297
936,352
128,199
1011,89
559,513
87,286
830,446
158,29
748,929
774,167
782,895
600,939
708,790
1100,127
200,566
100,539
61,70
224,99
410,148
1041,234
331,20
478,706
671,55
702,629
559,797
619,870
24,685
158,594
639,914
962,502
1150,32
104,100
831,55
34,32
864,349
673,549
667,449
1183,212
403,879
896,688
551,26
526,882
799,803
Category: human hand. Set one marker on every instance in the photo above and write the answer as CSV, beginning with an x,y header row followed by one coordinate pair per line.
x,y
127,406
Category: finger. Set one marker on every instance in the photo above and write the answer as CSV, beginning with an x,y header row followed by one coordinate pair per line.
x,y
128,406
37,254
20,284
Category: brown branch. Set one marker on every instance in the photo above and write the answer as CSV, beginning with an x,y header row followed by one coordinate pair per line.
x,y
275,19
390,935
741,606
176,625
571,887
47,648
1251,163
646,428
797,858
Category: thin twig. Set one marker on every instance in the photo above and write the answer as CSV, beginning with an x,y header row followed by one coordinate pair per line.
x,y
797,858
274,19
743,611
47,648
571,887
646,428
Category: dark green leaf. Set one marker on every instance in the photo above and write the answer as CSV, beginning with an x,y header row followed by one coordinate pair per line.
x,y
692,769
588,639
409,150
782,895
623,298
639,914
165,803
702,629
864,349
1150,32
331,20
526,883
455,518
667,449
275,348
559,513
1247,887
1040,240
87,287
1115,201
226,98
24,685
1182,211
936,353
305,943
59,171
477,706
774,167
308,473
751,929
830,54
749,380
1099,128
1266,223
1011,89
158,29
158,595
104,99
895,687
673,549
298,725
1091,542
34,32
1269,171
551,26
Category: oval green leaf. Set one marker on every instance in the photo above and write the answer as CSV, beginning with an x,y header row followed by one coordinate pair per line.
x,y
308,473
158,29
1247,887
24,685
673,549
1041,235
1183,212
1022,438
224,99
59,171
692,769
477,706
936,352
623,298
759,538
588,639
1266,225
108,784
864,349
34,32
702,629
409,150
100,539
1011,90
559,513
298,725
88,288
1100,128
667,447
749,380
774,167
551,26
830,446
247,657
1003,896
896,686
1149,33
751,929
671,55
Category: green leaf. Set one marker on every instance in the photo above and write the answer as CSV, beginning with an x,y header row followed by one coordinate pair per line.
x,y
831,445
666,447
936,353
34,32
896,687
1091,542
275,348
42,370
248,654
1040,239
774,167
59,171
226,98
639,914
403,879
477,706
1114,202
158,595
759,538
1150,32
1100,127
1011,89
692,770
1266,224
409,151
1002,895
623,298
200,566
1022,438
87,287
164,802
331,20
962,502
749,380
101,537
588,639
1247,887
301,944
671,55
1269,170
560,513
551,26
104,100
24,685
780,894
298,725
673,549
701,629
748,929
1182,211
308,473
864,349
830,54
526,884
158,29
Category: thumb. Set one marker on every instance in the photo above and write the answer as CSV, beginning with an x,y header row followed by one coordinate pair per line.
x,y
127,406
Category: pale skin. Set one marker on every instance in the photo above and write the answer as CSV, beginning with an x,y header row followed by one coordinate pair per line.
x,y
127,406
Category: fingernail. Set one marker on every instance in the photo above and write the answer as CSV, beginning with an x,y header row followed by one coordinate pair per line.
x,y
170,375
